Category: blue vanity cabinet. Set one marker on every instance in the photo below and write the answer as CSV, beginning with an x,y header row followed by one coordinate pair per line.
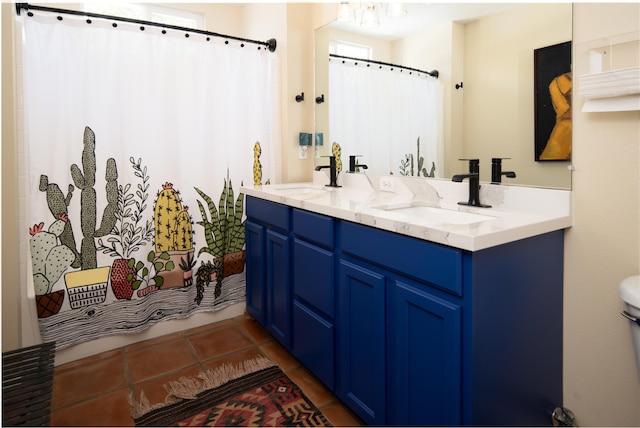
x,y
268,266
361,352
466,338
400,312
314,273
512,345
410,332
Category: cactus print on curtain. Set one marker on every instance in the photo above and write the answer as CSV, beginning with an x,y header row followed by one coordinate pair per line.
x,y
135,147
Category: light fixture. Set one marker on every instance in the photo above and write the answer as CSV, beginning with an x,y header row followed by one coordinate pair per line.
x,y
345,12
395,10
370,17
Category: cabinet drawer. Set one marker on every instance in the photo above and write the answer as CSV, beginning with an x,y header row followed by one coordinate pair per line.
x,y
267,212
313,227
435,264
313,276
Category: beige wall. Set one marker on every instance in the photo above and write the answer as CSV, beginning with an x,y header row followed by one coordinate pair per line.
x,y
10,259
601,384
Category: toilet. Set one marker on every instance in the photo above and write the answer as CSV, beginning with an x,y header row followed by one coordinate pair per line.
x,y
629,291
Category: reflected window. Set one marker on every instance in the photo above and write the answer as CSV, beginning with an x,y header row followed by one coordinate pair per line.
x,y
353,50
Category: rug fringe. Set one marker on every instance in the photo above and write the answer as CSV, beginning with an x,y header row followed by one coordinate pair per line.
x,y
187,388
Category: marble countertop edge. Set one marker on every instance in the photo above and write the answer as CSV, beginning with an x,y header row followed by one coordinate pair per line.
x,y
358,205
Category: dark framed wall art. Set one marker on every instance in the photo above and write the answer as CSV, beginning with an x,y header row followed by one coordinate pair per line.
x,y
553,88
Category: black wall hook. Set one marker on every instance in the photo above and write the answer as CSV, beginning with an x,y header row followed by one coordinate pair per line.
x,y
459,85
300,98
320,99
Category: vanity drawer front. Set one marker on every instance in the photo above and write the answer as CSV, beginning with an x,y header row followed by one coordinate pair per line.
x,y
316,228
434,264
313,276
267,212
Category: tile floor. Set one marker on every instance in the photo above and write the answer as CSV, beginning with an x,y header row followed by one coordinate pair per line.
x,y
95,391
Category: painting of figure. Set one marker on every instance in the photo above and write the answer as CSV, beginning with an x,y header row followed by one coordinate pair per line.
x,y
553,97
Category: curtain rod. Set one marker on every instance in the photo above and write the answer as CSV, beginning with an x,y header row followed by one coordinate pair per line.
x,y
433,73
269,44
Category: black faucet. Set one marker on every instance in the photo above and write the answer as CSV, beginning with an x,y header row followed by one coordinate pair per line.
x,y
353,164
497,173
474,183
333,174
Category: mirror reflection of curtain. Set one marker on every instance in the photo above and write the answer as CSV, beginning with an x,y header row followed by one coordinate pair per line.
x,y
380,114
187,111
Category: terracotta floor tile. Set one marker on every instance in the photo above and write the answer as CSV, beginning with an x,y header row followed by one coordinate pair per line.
x,y
311,387
218,342
233,358
107,410
254,331
156,360
245,316
152,342
87,381
89,360
95,391
154,388
340,416
208,328
279,355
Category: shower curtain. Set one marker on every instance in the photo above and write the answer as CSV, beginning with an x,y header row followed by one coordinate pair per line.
x,y
387,116
135,143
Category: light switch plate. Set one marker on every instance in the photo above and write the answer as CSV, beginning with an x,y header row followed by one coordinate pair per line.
x,y
387,184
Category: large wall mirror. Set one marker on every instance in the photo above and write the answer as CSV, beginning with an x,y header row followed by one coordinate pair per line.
x,y
484,55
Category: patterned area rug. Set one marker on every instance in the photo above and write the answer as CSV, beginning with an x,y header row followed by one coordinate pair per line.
x,y
256,393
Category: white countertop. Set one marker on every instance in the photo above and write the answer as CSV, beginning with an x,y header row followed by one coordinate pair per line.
x,y
517,212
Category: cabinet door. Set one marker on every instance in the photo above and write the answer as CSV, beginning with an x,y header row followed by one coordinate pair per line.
x,y
278,289
313,343
361,379
424,357
255,270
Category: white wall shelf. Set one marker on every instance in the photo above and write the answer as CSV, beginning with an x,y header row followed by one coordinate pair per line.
x,y
613,81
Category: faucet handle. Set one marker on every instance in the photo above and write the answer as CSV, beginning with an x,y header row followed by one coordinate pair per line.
x,y
498,160
496,171
474,165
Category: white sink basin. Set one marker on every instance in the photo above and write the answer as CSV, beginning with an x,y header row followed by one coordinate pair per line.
x,y
438,215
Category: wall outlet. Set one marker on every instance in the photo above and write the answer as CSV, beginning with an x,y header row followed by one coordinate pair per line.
x,y
387,184
302,152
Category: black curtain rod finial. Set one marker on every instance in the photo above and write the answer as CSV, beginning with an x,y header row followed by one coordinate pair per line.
x,y
271,45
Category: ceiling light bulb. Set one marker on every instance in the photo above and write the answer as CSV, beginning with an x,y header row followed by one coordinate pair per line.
x,y
395,10
370,16
345,12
